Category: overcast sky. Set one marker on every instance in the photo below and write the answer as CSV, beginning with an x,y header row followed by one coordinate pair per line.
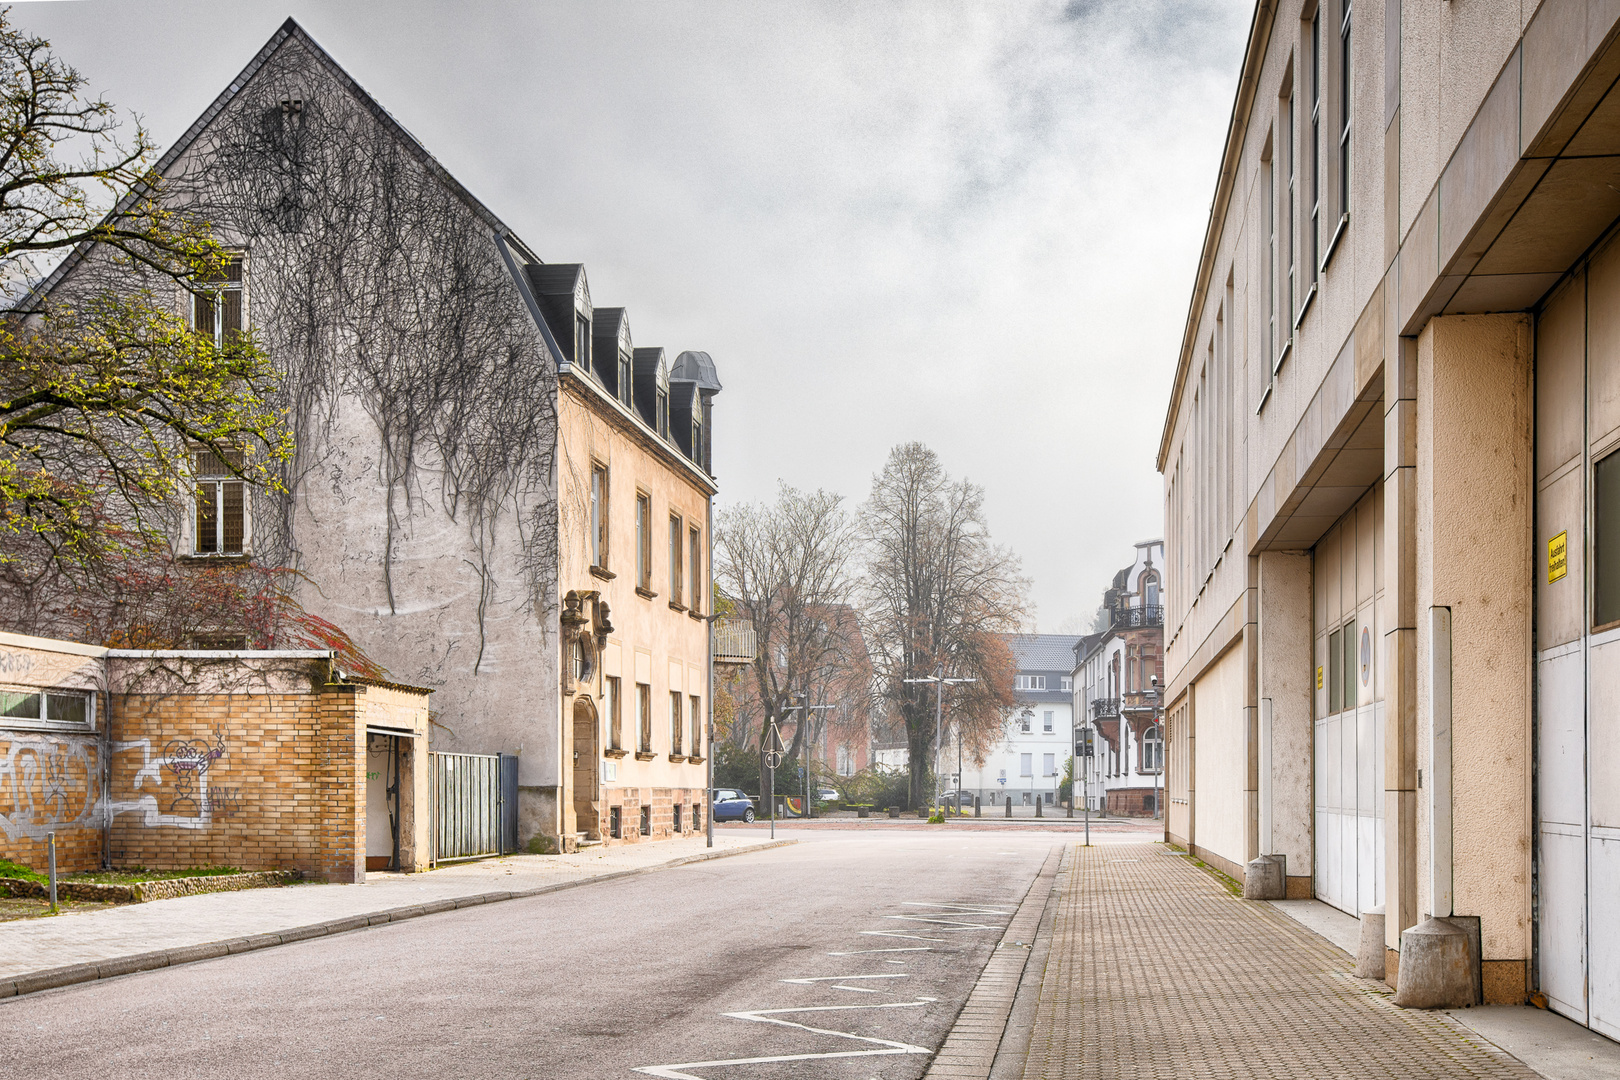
x,y
970,224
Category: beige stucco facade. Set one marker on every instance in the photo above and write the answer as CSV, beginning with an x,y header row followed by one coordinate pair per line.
x,y
658,637
1394,401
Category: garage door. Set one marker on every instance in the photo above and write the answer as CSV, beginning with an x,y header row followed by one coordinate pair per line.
x,y
1349,738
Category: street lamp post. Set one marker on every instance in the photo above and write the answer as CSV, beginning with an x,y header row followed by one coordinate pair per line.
x,y
808,750
939,712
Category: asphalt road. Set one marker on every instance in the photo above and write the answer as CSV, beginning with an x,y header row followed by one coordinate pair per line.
x,y
825,946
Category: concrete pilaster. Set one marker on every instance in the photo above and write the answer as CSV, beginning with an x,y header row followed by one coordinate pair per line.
x,y
1400,644
1475,556
1285,682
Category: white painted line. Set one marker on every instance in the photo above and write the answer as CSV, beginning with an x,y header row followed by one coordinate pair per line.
x,y
857,989
808,979
766,1016
903,948
898,934
950,924
965,909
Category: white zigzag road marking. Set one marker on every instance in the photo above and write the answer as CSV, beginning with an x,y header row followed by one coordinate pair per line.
x,y
887,1047
808,979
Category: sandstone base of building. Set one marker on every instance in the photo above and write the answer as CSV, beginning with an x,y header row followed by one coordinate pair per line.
x,y
630,815
1133,802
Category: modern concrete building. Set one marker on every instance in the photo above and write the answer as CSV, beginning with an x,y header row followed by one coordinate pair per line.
x,y
1118,674
496,493
1027,763
1390,489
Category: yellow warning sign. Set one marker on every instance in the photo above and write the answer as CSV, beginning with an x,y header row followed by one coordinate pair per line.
x,y
1557,557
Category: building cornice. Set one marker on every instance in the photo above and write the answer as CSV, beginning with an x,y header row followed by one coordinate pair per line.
x,y
602,404
1265,13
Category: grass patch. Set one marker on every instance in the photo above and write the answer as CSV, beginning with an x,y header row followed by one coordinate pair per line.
x,y
18,870
1227,881
130,875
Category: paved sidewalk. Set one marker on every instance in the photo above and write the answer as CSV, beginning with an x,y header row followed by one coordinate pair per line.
x,y
93,944
1156,970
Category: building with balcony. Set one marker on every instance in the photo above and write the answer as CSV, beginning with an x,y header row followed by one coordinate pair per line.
x,y
1117,675
1027,764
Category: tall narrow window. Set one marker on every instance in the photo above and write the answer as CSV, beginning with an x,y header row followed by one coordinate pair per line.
x,y
1268,276
615,710
1606,541
1316,145
675,722
582,342
221,527
626,384
599,516
1335,674
661,408
1344,114
677,532
217,313
695,716
644,717
695,553
644,542
1348,666
1291,237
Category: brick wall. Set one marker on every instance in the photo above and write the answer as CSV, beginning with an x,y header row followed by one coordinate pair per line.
x,y
259,781
51,783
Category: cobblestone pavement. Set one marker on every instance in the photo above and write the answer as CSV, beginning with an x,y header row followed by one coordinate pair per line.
x,y
81,935
1156,970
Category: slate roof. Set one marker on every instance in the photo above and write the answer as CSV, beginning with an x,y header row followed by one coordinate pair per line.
x,y
1043,652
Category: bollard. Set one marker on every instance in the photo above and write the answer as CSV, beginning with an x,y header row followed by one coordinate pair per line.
x,y
1038,803
1069,805
1009,806
976,807
50,851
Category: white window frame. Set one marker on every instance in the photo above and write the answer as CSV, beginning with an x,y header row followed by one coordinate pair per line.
x,y
41,723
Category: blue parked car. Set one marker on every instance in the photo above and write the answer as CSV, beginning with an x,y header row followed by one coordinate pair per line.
x,y
732,805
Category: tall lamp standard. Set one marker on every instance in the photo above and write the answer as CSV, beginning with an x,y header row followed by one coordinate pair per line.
x,y
939,711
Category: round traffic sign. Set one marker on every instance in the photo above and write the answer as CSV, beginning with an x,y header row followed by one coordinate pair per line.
x,y
773,758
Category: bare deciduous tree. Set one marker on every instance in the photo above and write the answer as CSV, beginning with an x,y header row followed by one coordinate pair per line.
x,y
939,594
788,568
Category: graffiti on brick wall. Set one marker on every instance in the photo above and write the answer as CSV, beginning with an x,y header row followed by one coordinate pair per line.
x,y
224,802
187,760
52,783
48,784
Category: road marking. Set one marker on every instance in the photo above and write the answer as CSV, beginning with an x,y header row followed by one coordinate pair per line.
x,y
808,979
767,1016
898,934
903,948
966,909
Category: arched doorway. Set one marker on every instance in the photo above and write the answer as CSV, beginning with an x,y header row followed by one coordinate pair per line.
x,y
587,793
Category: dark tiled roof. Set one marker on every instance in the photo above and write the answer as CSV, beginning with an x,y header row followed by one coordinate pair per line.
x,y
1043,652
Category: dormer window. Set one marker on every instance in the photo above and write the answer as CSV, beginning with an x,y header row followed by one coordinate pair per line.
x,y
216,313
626,385
582,342
662,411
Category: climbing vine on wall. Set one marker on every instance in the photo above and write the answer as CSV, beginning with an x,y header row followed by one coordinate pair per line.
x,y
371,279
